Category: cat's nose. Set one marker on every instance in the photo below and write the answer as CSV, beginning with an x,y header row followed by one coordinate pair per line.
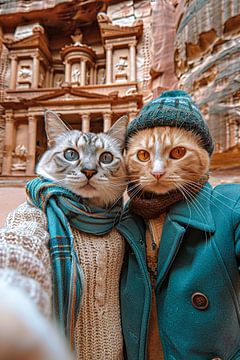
x,y
89,172
158,174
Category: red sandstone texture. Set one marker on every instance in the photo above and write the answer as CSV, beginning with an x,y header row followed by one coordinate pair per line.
x,y
162,49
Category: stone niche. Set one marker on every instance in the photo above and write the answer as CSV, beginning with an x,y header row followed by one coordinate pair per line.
x,y
120,65
24,73
20,148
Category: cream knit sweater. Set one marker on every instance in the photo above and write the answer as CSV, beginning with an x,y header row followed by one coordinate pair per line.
x,y
25,263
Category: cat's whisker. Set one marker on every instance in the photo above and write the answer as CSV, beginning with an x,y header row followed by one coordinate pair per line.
x,y
191,202
204,191
196,206
205,195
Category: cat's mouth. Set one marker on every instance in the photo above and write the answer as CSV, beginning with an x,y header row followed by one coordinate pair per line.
x,y
88,187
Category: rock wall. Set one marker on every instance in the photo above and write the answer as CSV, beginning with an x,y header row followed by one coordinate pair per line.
x,y
23,6
162,49
155,60
125,13
207,61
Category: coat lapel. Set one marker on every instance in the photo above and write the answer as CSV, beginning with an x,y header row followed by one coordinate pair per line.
x,y
193,214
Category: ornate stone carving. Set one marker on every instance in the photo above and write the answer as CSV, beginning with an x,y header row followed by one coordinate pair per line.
x,y
58,80
101,76
121,69
25,73
20,157
76,73
77,37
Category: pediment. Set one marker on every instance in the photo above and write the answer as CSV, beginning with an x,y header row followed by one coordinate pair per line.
x,y
63,95
36,41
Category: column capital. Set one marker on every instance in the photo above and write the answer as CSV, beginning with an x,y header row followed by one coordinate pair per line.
x,y
13,57
85,115
107,114
35,56
8,117
108,46
32,117
133,43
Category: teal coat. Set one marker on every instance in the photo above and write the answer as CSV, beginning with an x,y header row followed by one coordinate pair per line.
x,y
199,253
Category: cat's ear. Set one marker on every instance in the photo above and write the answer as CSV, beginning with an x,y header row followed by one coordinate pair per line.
x,y
54,126
119,129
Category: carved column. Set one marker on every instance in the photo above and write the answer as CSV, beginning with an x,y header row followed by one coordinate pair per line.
x,y
48,77
83,73
85,123
67,72
32,136
51,78
107,121
227,136
108,64
13,79
92,75
232,133
35,71
132,48
8,144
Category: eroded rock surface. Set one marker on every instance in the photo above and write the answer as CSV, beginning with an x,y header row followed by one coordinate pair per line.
x,y
207,63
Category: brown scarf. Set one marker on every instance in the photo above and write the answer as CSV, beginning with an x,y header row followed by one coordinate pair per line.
x,y
150,206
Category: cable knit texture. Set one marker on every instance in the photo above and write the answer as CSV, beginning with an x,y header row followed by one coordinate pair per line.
x,y
24,255
25,264
98,329
153,238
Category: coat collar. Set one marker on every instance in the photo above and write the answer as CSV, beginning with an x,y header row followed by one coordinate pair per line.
x,y
196,213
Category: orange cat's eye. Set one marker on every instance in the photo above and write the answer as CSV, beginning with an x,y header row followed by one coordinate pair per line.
x,y
178,152
143,155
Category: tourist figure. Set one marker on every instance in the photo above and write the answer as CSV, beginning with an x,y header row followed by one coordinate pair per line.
x,y
62,251
184,295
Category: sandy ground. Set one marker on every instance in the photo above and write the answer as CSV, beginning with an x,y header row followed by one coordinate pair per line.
x,y
10,198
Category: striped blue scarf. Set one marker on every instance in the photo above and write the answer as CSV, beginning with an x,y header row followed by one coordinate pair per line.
x,y
63,210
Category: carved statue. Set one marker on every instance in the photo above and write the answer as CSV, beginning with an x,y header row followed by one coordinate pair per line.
x,y
20,153
77,37
76,73
102,76
25,73
122,65
103,18
58,80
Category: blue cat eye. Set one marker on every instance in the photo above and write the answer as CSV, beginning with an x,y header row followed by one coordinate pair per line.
x,y
71,155
106,157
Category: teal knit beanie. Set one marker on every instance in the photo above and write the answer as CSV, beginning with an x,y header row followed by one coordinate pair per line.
x,y
176,109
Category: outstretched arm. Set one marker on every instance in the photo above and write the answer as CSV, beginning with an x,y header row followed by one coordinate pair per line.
x,y
26,331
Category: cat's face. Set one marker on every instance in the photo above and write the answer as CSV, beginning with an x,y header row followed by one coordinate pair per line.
x,y
161,159
90,165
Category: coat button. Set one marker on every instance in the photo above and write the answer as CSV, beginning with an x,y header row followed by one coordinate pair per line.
x,y
200,301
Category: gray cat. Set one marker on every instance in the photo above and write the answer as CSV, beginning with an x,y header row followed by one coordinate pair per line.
x,y
91,166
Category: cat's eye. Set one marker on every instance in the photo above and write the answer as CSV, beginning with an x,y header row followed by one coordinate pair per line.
x,y
106,157
71,155
143,155
178,152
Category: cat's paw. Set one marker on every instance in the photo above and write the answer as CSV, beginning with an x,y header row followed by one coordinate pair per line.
x,y
24,333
